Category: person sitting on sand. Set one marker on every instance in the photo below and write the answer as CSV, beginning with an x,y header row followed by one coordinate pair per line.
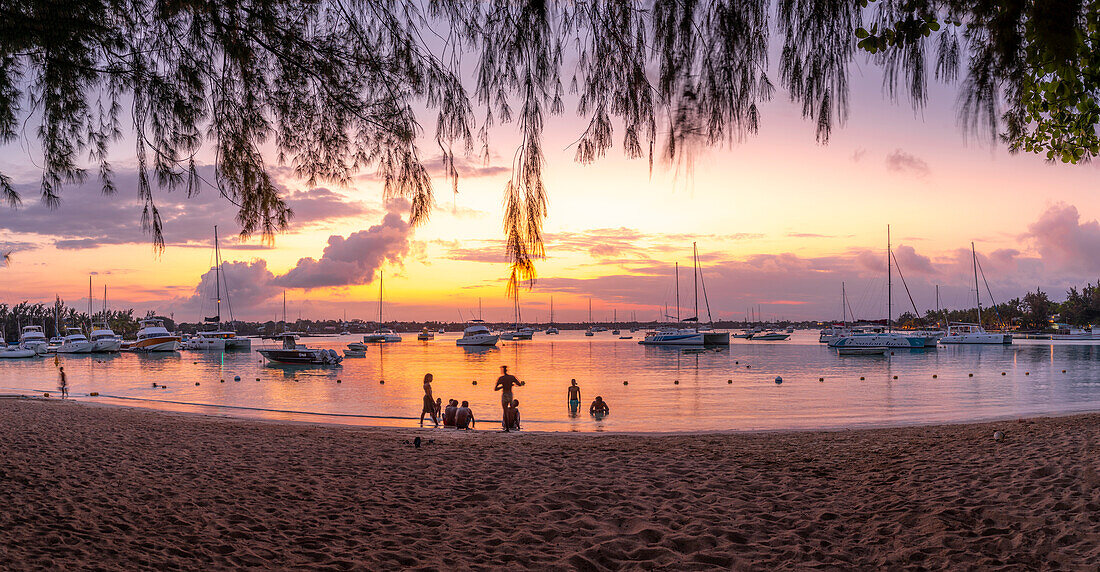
x,y
599,408
504,385
449,413
511,417
429,401
574,395
464,417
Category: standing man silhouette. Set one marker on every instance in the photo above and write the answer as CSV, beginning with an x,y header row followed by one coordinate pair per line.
x,y
504,384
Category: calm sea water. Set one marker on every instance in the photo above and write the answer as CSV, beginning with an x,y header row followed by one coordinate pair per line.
x,y
731,389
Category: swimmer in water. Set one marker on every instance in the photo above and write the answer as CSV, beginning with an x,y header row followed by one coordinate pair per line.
x,y
574,396
599,407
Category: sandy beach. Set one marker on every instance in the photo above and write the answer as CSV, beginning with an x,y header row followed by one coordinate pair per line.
x,y
108,488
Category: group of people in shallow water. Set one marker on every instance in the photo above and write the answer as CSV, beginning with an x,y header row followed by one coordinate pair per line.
x,y
460,416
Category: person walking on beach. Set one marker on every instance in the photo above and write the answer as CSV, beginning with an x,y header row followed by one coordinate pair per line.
x,y
574,396
62,383
464,417
504,384
429,401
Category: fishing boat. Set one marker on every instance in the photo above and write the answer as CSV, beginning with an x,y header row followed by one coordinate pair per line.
x,y
974,334
294,354
382,335
153,337
476,334
688,336
32,338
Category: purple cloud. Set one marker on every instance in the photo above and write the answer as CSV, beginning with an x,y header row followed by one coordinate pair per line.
x,y
351,260
1064,241
899,161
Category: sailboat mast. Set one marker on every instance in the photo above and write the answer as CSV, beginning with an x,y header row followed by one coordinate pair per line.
x,y
677,292
977,293
589,309
89,303
938,303
843,301
284,310
217,276
380,297
889,284
695,271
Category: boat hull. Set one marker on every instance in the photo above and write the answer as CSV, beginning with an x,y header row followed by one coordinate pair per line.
x,y
203,344
300,357
16,353
477,340
977,339
880,340
107,346
165,344
76,348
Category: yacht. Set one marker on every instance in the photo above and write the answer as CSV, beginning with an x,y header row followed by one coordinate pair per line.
x,y
381,336
294,354
477,335
9,352
1065,332
960,333
229,339
550,329
200,343
75,342
883,339
153,337
32,338
104,339
769,337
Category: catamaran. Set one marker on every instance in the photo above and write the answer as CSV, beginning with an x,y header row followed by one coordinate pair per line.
x,y
962,333
218,338
688,336
551,329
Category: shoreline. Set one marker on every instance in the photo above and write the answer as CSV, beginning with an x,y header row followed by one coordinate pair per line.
x,y
93,486
492,424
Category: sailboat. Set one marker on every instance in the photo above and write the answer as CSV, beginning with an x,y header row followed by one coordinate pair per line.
x,y
963,333
102,337
551,329
889,338
517,333
382,335
692,336
217,338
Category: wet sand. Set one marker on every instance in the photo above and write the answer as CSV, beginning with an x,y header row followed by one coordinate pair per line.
x,y
108,488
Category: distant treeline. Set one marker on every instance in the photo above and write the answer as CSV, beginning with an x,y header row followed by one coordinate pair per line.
x,y
54,318
1035,311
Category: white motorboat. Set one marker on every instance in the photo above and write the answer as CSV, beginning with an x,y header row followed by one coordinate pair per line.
x,y
960,333
1065,332
293,354
32,338
674,337
153,337
230,340
75,342
769,337
381,336
14,352
200,343
104,339
552,331
477,335
355,353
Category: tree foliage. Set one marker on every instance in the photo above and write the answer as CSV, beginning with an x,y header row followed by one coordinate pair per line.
x,y
336,86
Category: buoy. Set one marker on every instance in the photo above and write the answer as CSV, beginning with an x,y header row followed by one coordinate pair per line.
x,y
194,362
257,379
778,380
236,378
747,366
971,375
998,436
895,377
338,381
93,394
624,383
730,381
222,381
861,378
934,376
1027,373
196,383
381,382
154,384
676,382
1002,373
45,394
891,353
1063,371
474,382
736,362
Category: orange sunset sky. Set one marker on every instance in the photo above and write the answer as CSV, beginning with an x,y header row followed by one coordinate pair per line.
x,y
780,222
